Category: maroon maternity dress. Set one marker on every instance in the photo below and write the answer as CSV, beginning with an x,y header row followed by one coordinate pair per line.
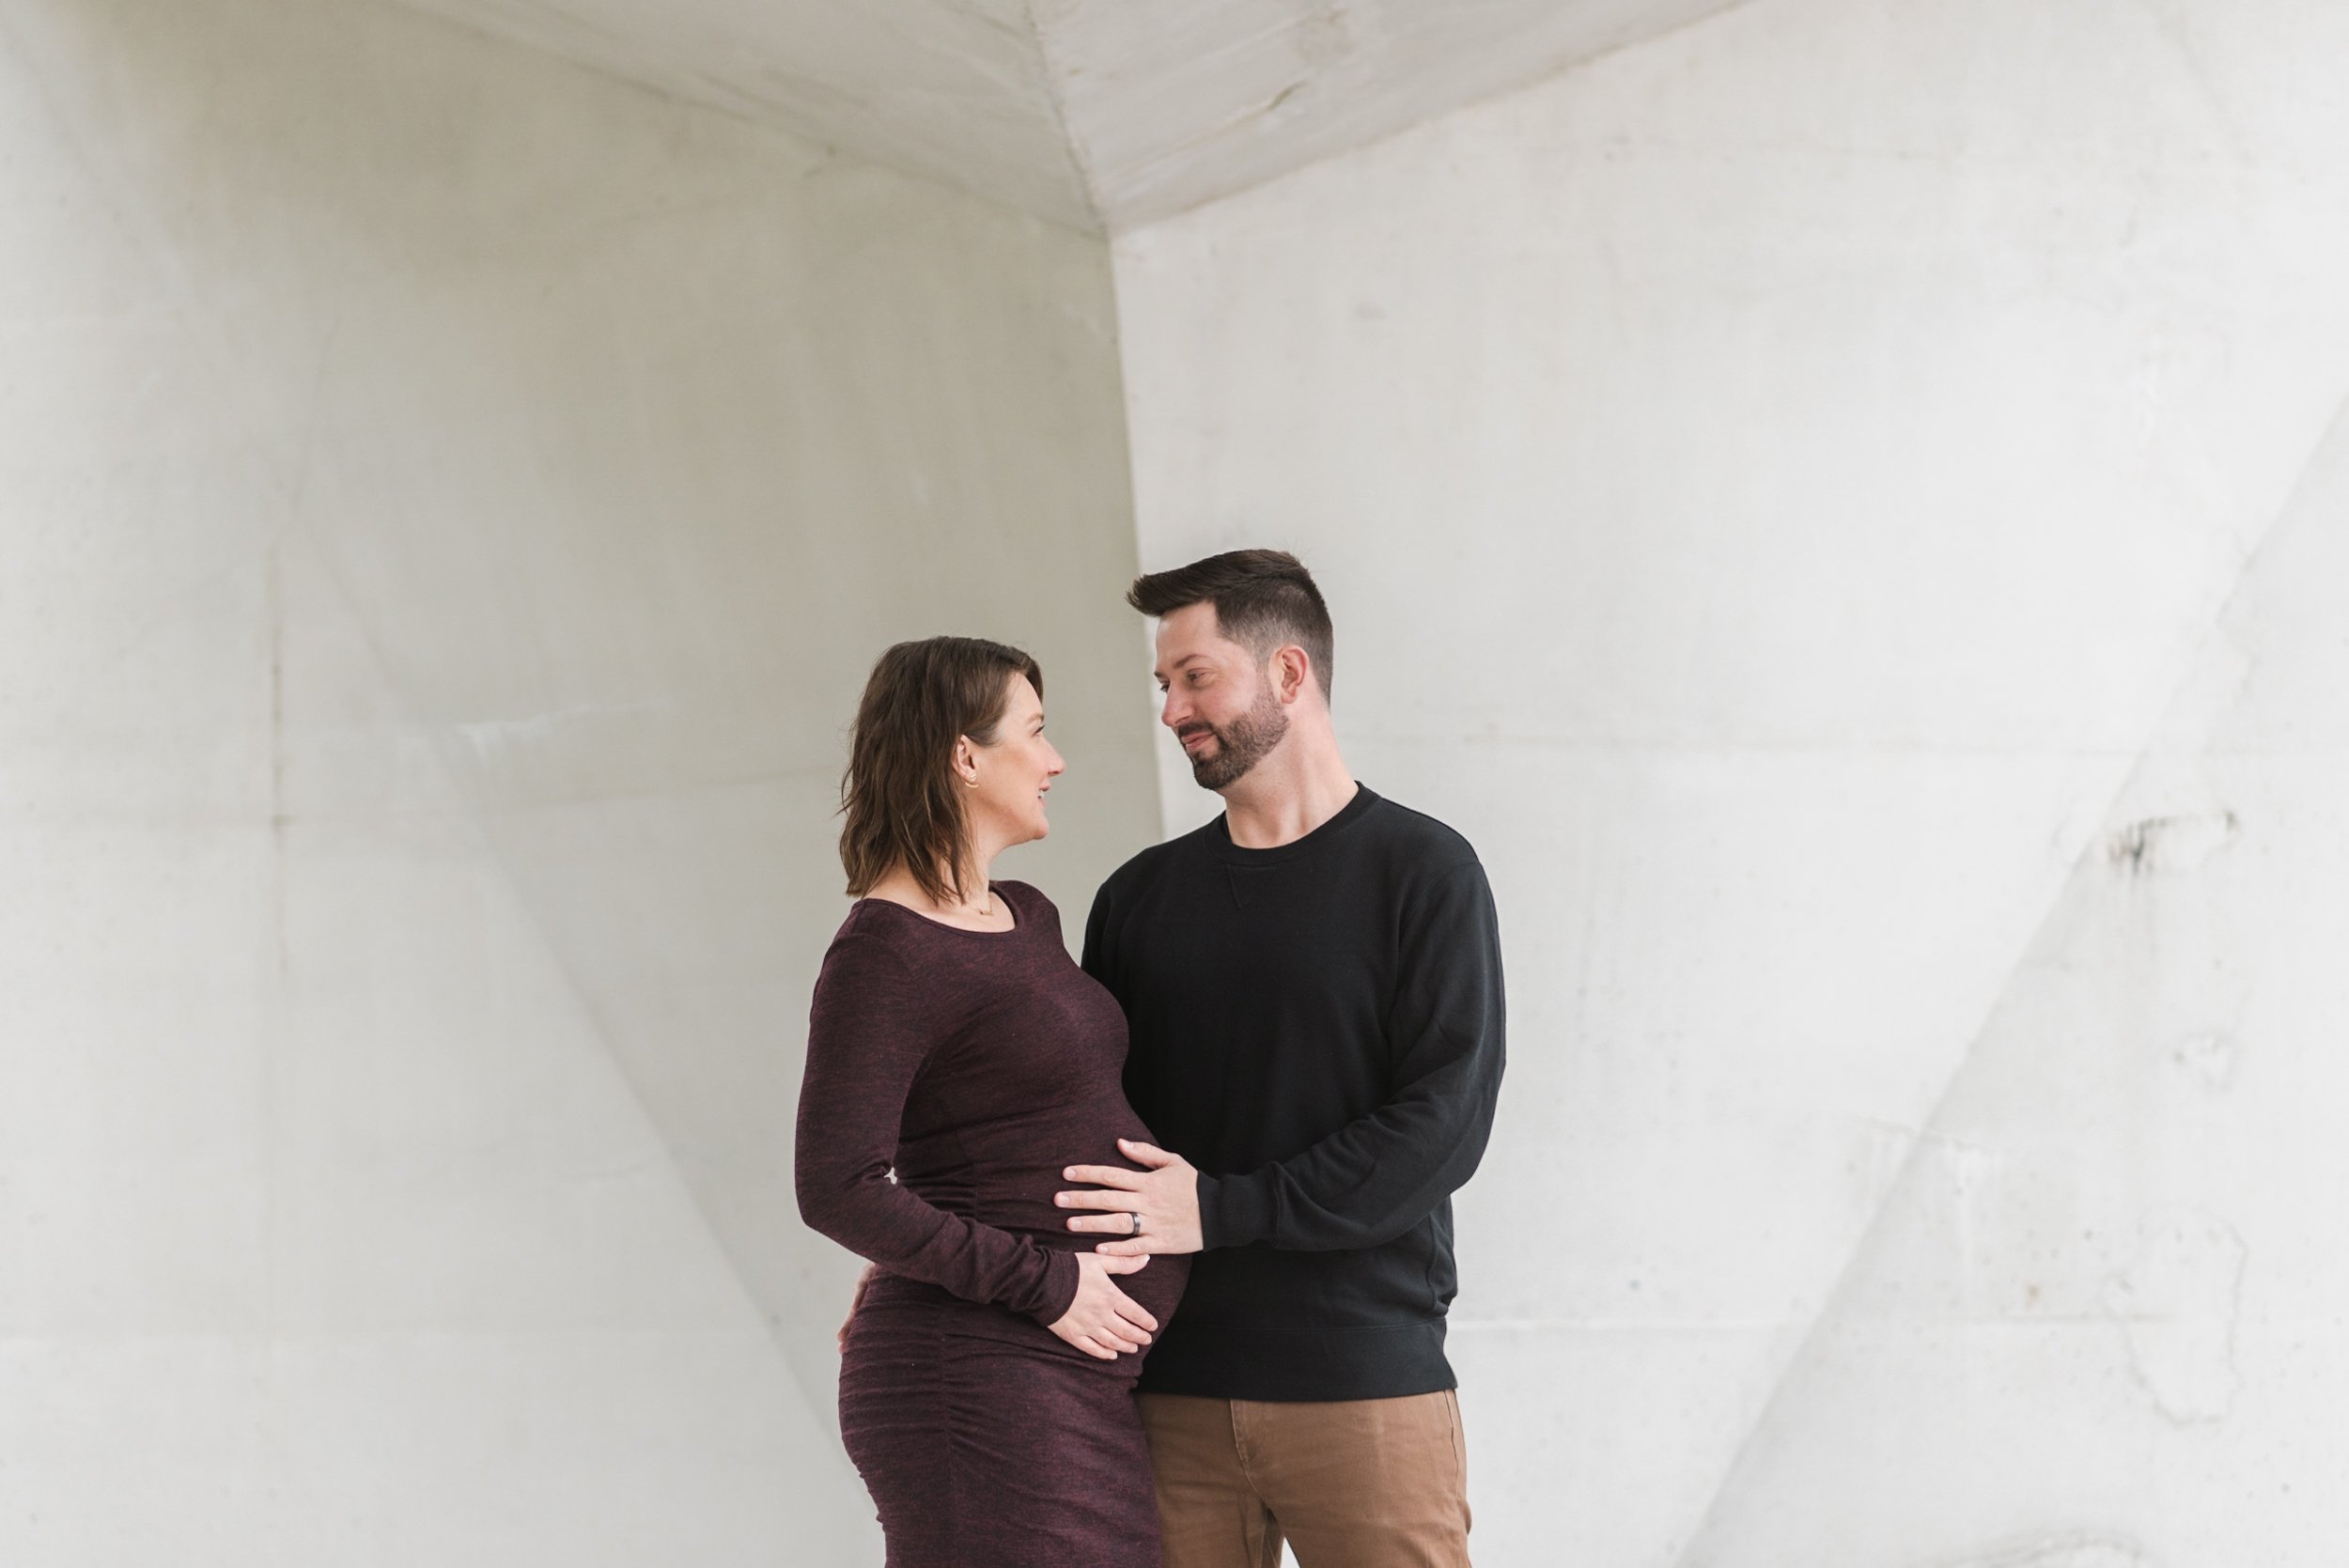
x,y
976,1065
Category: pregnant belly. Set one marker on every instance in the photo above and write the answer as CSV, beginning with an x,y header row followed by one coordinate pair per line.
x,y
1158,1285
1009,1176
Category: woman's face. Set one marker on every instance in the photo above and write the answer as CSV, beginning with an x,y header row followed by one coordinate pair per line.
x,y
1014,773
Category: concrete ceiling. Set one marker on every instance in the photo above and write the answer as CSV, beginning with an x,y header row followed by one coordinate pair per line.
x,y
1097,113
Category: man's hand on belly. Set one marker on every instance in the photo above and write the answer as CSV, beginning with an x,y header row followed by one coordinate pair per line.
x,y
1163,1200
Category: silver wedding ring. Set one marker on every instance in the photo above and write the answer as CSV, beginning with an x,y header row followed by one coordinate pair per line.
x,y
1137,1219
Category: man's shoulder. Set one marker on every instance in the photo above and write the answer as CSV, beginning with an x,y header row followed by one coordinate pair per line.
x,y
1412,835
1149,865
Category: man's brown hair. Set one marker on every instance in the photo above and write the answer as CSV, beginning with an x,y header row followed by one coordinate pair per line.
x,y
1263,600
899,794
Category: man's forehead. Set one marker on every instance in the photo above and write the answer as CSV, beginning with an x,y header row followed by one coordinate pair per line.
x,y
1180,645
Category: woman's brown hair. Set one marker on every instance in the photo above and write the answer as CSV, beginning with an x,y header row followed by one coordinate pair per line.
x,y
899,794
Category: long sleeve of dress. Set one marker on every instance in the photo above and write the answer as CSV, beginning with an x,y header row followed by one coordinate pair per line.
x,y
867,1039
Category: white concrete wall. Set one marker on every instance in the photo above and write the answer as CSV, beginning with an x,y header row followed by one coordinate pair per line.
x,y
1778,488
449,502
1845,504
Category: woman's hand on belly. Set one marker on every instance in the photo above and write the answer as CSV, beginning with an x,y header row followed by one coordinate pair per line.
x,y
854,1302
1103,1321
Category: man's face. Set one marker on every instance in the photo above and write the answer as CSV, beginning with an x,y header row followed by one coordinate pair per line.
x,y
1218,703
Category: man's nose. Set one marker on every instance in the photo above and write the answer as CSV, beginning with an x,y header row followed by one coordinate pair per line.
x,y
1173,711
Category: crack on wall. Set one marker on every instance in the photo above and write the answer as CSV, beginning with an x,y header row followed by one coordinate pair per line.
x,y
2180,842
2208,1058
2176,1306
1272,105
2078,1550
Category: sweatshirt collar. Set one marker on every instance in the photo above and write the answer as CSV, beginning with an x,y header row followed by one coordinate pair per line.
x,y
1218,836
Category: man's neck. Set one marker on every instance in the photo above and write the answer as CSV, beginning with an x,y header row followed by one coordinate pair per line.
x,y
1286,796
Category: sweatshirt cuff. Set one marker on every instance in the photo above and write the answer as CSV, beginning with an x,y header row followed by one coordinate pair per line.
x,y
1233,1211
1060,1287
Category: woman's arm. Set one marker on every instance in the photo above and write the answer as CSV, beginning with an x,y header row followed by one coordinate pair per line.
x,y
868,1033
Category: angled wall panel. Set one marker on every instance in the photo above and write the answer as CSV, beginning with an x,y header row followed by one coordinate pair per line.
x,y
451,502
2093,1321
1770,483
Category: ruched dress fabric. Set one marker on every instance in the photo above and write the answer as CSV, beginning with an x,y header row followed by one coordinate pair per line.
x,y
975,1065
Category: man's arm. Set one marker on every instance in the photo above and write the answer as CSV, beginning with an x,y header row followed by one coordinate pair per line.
x,y
1101,959
1097,960
1378,1176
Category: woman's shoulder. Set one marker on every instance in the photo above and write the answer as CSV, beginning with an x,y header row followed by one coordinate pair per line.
x,y
1023,895
869,941
875,968
1027,902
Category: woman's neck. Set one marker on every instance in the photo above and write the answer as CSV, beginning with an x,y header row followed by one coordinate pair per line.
x,y
977,905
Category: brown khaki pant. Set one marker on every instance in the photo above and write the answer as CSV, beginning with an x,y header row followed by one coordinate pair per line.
x,y
1359,1484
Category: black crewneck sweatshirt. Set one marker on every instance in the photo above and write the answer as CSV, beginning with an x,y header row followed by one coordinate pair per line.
x,y
1319,1027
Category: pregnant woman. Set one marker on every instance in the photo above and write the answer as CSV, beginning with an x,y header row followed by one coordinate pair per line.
x,y
957,1061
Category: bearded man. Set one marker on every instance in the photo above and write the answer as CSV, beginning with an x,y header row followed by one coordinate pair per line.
x,y
1313,993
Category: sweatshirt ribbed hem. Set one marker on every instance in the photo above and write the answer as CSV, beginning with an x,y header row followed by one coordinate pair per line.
x,y
1298,1365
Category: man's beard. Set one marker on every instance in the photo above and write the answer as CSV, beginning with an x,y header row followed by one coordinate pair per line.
x,y
1239,745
